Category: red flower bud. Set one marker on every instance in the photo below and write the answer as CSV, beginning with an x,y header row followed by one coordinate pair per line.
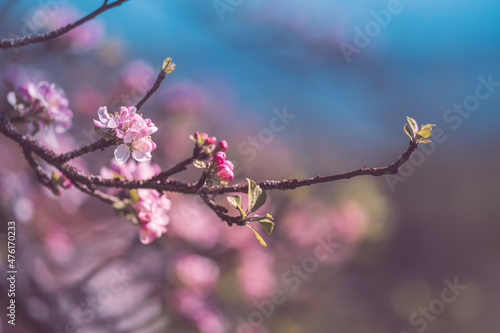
x,y
219,158
229,164
224,173
212,140
222,146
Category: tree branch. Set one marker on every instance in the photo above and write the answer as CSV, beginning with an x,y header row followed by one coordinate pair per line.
x,y
98,145
153,89
290,184
8,43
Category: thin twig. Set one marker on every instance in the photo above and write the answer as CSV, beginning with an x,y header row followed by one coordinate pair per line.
x,y
173,170
8,43
151,91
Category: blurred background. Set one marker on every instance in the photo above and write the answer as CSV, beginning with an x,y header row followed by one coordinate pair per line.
x,y
346,74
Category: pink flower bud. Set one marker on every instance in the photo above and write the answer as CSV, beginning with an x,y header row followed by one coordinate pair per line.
x,y
222,146
229,164
204,137
211,140
196,135
224,173
219,158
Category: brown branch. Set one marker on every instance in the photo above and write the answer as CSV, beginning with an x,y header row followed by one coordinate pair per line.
x,y
221,211
41,174
73,174
153,89
197,154
290,184
173,170
87,183
8,43
98,145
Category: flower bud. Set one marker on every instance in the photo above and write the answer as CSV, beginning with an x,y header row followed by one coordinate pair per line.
x,y
222,146
224,173
211,140
219,158
229,164
196,135
204,137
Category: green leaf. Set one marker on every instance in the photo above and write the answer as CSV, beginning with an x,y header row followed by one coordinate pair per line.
x,y
413,125
199,164
104,134
259,237
268,225
235,201
407,131
168,66
134,195
257,218
256,196
119,205
425,131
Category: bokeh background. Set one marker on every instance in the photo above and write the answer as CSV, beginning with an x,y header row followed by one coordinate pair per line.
x,y
81,269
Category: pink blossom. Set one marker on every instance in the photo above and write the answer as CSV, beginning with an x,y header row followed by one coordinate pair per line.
x,y
151,211
44,103
150,207
219,158
115,120
225,173
133,129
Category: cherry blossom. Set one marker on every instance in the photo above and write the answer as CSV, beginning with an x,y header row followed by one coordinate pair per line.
x,y
43,104
132,129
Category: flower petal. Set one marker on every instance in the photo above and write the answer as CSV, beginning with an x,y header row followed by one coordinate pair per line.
x,y
114,122
122,153
139,156
99,124
103,114
11,98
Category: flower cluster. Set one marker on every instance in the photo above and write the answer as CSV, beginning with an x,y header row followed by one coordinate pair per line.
x,y
132,130
43,104
147,208
224,168
221,169
208,143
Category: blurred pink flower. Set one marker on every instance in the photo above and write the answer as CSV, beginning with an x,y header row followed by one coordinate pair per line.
x,y
255,274
139,75
197,272
193,222
195,307
183,98
44,104
150,207
350,221
82,38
